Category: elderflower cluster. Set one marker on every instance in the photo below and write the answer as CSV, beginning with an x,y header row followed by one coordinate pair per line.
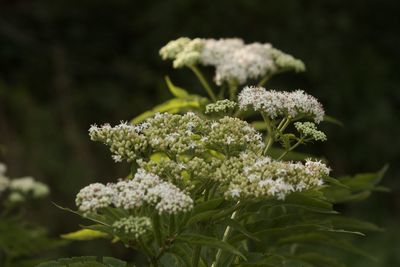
x,y
275,104
221,107
183,51
94,197
20,188
249,176
232,135
183,172
309,129
144,188
234,61
4,180
133,226
28,185
124,140
175,134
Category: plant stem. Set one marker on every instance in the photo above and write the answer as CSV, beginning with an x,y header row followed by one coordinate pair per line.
x,y
204,82
232,90
264,80
227,233
286,124
290,149
196,255
156,226
270,141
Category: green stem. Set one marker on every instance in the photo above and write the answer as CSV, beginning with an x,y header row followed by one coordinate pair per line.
x,y
286,124
270,141
172,224
196,255
233,87
156,227
227,233
204,82
290,149
264,80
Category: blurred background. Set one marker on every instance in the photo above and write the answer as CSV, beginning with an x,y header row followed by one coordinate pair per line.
x,y
67,64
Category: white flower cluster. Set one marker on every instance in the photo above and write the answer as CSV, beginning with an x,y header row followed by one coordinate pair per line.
x,y
231,136
234,61
4,180
176,134
144,188
309,129
133,226
94,197
249,176
183,51
221,107
20,188
296,104
124,140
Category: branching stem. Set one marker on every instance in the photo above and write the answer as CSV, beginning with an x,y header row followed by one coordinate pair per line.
x,y
204,82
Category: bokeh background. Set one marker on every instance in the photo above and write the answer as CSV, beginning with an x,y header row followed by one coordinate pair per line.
x,y
67,64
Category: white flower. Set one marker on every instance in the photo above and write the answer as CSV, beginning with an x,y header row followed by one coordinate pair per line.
x,y
234,61
144,189
94,197
136,226
28,185
281,104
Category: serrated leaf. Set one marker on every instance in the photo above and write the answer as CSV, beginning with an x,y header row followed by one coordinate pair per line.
x,y
84,234
209,242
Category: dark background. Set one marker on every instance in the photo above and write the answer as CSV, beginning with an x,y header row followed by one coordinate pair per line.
x,y
67,64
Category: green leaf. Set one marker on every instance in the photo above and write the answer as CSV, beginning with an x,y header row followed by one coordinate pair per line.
x,y
357,187
336,182
319,239
333,120
208,241
310,200
238,227
208,205
319,260
85,261
175,90
85,234
202,216
175,105
364,181
265,261
353,224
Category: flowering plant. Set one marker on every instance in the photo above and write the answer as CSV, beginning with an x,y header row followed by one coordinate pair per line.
x,y
20,240
215,181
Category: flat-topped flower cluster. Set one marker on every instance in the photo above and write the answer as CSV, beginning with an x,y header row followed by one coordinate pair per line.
x,y
296,104
253,176
191,150
145,189
19,189
234,61
177,135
